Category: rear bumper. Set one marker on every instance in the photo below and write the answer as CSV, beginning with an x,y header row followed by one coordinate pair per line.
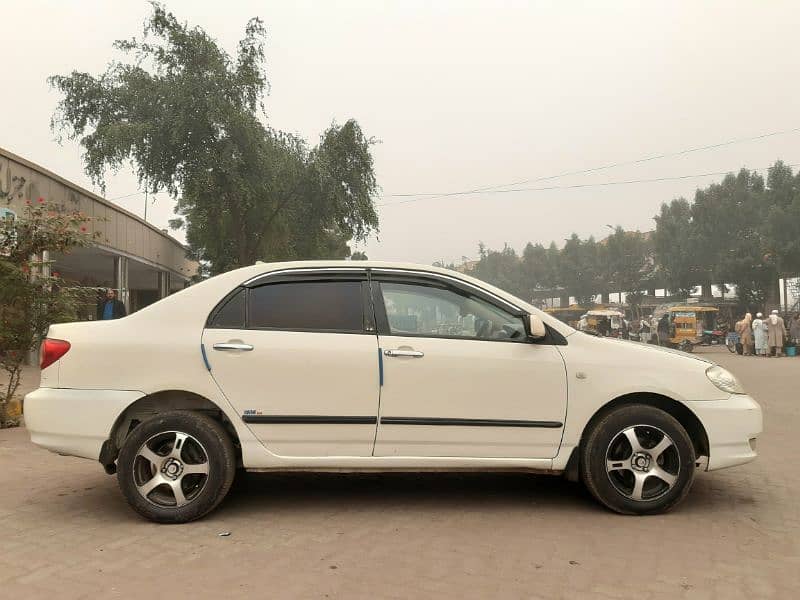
x,y
74,422
732,426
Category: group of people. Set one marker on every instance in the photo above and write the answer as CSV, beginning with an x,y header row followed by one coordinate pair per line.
x,y
766,336
658,330
649,330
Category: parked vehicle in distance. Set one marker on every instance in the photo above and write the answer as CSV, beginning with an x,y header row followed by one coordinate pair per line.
x,y
336,365
715,337
732,342
608,322
571,315
689,325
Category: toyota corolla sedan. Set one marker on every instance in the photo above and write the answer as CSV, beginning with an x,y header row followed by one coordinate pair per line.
x,y
345,366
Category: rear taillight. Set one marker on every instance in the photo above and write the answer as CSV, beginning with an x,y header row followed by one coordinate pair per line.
x,y
51,350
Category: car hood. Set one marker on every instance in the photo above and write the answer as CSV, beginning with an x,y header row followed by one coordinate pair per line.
x,y
639,347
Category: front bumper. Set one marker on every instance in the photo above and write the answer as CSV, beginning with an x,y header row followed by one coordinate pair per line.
x,y
74,422
732,426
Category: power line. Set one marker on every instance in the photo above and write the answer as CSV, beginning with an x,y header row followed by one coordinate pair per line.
x,y
600,168
586,185
125,196
414,197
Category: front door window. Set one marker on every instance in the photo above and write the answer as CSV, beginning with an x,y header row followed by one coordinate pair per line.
x,y
440,312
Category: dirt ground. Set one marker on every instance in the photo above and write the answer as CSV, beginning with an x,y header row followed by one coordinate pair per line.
x,y
66,532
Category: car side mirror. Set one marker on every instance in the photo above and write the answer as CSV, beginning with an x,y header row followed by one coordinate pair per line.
x,y
536,328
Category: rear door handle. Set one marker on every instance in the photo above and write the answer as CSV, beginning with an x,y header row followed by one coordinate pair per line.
x,y
411,353
233,346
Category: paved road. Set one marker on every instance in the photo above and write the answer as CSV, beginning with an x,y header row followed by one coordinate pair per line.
x,y
65,531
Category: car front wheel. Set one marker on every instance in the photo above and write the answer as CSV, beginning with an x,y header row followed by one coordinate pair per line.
x,y
176,467
638,460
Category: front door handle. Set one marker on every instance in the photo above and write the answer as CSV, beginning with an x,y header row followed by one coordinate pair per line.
x,y
411,353
233,346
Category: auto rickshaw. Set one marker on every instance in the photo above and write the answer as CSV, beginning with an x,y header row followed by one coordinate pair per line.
x,y
606,322
690,325
570,315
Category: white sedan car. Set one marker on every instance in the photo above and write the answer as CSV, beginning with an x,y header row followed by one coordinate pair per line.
x,y
351,366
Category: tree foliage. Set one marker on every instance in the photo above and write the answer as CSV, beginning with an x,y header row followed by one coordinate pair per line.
x,y
501,268
540,268
673,245
627,259
30,299
579,266
186,115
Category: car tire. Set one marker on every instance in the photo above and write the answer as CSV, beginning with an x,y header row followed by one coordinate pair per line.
x,y
176,467
638,460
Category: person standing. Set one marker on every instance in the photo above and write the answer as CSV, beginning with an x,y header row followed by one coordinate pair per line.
x,y
776,333
110,307
644,329
603,327
760,335
663,330
745,331
794,329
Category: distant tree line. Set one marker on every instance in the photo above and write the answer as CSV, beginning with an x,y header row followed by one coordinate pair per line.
x,y
743,231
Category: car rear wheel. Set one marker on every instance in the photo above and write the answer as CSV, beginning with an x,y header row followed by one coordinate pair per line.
x,y
176,467
638,460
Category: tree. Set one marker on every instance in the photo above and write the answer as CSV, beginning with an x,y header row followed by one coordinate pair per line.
x,y
627,261
579,268
673,242
359,256
186,115
500,268
553,260
727,219
539,268
782,222
31,300
734,241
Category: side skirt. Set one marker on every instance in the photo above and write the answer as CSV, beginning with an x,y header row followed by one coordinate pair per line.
x,y
380,464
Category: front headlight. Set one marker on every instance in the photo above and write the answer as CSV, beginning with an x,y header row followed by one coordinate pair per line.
x,y
724,380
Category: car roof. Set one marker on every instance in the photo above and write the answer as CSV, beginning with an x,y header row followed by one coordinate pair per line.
x,y
262,268
207,293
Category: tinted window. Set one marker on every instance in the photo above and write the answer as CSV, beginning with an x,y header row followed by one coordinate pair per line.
x,y
316,305
231,315
423,310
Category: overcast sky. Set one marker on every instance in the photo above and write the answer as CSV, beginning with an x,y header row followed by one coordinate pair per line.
x,y
466,95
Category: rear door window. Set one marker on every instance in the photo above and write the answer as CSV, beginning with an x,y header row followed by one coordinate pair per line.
x,y
307,306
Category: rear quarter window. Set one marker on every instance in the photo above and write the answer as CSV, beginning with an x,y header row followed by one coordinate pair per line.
x,y
231,314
